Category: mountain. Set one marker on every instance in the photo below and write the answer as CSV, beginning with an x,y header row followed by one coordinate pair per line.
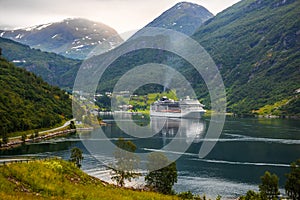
x,y
27,102
54,69
73,38
256,45
60,71
183,17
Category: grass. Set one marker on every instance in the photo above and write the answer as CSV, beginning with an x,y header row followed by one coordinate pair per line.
x,y
142,103
273,109
59,179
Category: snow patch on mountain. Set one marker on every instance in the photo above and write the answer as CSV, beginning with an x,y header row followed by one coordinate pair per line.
x,y
43,26
183,17
19,61
38,27
19,36
54,36
77,47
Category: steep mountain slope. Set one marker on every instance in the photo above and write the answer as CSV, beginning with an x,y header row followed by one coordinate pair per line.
x,y
256,45
54,69
73,38
27,102
183,17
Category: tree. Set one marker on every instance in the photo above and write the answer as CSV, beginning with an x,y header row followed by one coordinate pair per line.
x,y
126,162
23,138
162,173
292,185
4,138
186,195
104,102
76,156
36,134
31,136
72,125
269,186
251,195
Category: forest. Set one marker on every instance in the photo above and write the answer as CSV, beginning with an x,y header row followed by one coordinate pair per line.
x,y
27,102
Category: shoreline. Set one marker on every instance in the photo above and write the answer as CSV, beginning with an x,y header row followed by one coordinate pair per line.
x,y
16,143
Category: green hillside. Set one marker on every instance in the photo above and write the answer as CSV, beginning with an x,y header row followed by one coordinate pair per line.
x,y
256,45
58,179
27,102
54,69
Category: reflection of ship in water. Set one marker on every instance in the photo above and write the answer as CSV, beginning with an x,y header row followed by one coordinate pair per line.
x,y
192,130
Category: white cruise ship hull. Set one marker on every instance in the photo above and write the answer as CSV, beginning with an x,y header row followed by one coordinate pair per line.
x,y
187,108
193,114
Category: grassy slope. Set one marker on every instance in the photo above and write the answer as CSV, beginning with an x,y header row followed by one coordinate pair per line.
x,y
58,179
142,103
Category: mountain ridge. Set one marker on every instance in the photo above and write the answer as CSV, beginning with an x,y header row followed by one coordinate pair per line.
x,y
184,17
170,16
53,68
75,38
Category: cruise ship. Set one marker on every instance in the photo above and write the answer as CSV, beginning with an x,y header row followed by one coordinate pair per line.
x,y
186,108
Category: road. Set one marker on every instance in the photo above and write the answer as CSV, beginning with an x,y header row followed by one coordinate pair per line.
x,y
55,129
50,130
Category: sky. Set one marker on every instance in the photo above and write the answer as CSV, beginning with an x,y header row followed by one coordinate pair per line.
x,y
122,15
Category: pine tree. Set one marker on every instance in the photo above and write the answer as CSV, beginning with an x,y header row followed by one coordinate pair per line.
x,y
269,186
292,185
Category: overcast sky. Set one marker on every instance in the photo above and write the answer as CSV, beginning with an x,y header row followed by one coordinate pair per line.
x,y
122,15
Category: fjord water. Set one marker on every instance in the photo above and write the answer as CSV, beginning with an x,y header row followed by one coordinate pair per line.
x,y
246,149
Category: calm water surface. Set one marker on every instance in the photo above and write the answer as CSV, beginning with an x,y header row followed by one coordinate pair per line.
x,y
245,150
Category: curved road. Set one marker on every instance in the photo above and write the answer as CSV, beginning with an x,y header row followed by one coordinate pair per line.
x,y
55,129
50,130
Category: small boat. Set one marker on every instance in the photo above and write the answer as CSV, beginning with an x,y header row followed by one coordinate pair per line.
x,y
186,108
